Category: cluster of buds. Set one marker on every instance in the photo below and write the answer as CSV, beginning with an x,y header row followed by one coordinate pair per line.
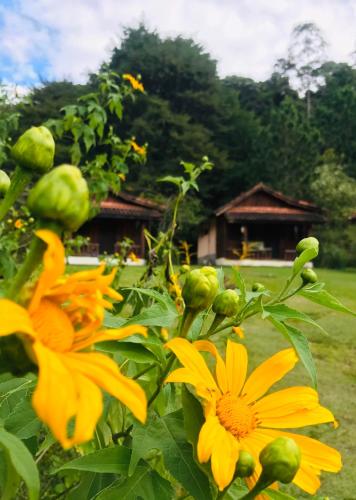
x,y
308,275
61,195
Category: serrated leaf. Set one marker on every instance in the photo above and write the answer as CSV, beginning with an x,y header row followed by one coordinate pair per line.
x,y
144,483
282,312
240,282
134,352
22,462
113,460
300,344
324,298
167,435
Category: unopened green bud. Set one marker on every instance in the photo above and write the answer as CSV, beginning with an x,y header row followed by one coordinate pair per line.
x,y
226,303
309,276
280,460
34,149
307,243
61,195
200,288
4,182
185,268
245,465
258,287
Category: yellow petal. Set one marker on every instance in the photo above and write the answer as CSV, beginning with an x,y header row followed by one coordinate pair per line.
x,y
55,397
268,373
236,366
14,318
224,456
113,334
307,479
193,361
207,437
104,372
301,418
53,263
205,345
90,408
287,401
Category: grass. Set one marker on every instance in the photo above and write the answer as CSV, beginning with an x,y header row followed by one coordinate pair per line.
x,y
335,360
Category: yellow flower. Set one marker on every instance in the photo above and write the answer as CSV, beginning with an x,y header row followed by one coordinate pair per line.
x,y
18,224
122,177
134,82
62,319
141,150
237,417
239,331
132,256
164,334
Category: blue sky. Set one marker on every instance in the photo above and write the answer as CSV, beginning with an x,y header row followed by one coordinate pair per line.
x,y
51,39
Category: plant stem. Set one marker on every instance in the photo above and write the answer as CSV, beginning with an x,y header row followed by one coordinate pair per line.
x,y
189,316
162,379
19,180
32,260
142,372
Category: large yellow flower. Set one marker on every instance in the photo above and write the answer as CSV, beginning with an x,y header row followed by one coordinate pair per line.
x,y
62,318
239,418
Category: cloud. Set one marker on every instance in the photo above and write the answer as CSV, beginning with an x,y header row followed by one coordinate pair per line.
x,y
52,40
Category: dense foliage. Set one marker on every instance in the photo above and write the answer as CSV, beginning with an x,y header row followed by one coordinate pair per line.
x,y
275,131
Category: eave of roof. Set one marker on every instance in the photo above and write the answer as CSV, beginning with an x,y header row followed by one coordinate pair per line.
x,y
233,204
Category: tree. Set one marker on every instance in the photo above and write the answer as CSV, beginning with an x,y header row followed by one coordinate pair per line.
x,y
306,55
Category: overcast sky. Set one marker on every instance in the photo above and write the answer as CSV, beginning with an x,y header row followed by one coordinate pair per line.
x,y
56,39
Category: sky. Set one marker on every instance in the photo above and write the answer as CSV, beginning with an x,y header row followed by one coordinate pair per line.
x,y
66,39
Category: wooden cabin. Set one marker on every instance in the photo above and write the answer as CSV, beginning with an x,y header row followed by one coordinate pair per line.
x,y
120,216
261,224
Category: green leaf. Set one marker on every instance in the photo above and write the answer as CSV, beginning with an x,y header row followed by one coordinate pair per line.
x,y
108,460
324,298
172,180
22,462
111,321
240,282
23,421
167,435
90,485
156,315
282,312
300,344
132,351
145,483
193,416
306,256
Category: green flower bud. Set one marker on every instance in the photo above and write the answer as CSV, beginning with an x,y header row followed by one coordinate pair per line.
x,y
245,465
61,195
280,460
309,276
258,287
226,303
4,182
306,243
200,288
34,149
185,268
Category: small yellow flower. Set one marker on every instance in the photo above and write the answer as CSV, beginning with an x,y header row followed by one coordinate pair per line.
x,y
164,334
134,82
62,320
132,256
18,224
174,286
239,416
141,150
122,177
239,331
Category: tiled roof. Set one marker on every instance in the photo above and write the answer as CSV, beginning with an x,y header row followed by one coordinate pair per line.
x,y
128,206
288,208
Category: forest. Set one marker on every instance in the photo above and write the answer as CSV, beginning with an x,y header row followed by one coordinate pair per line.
x,y
295,131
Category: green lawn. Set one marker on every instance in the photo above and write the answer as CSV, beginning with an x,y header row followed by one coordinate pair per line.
x,y
335,358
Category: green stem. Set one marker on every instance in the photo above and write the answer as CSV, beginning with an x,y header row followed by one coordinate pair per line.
x,y
142,372
162,379
19,180
189,316
32,260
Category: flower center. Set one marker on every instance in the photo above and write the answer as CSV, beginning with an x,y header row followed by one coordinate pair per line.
x,y
53,327
235,415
